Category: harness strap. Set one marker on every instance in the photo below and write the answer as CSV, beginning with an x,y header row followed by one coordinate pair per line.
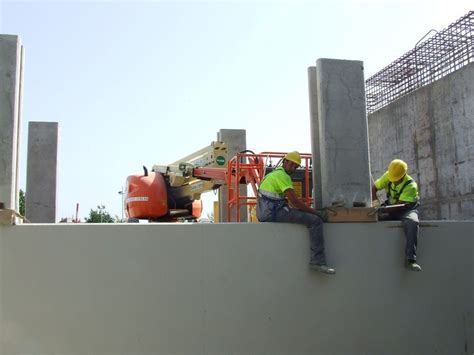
x,y
276,204
408,182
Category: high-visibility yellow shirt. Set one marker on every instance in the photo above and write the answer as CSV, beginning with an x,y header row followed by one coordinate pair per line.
x,y
276,183
408,194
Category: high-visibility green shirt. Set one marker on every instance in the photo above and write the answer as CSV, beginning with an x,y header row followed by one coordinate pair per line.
x,y
409,193
276,183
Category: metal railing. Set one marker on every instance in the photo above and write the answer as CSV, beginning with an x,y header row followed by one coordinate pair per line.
x,y
443,53
250,168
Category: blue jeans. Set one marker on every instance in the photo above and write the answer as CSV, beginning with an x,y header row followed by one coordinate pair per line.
x,y
411,228
285,214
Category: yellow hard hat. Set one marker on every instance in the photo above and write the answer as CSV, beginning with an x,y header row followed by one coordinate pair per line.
x,y
397,169
294,157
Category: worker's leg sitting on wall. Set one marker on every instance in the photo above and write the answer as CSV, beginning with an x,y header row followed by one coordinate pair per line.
x,y
410,223
286,214
411,228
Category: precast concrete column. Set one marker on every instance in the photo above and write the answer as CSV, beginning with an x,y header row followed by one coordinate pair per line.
x,y
343,133
11,80
40,204
236,140
315,145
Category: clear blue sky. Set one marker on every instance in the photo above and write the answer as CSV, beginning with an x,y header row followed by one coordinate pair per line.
x,y
143,83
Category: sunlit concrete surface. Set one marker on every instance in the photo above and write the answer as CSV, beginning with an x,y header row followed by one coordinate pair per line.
x,y
11,82
233,289
343,137
41,177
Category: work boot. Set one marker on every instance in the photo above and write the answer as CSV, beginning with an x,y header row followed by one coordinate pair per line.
x,y
323,268
412,265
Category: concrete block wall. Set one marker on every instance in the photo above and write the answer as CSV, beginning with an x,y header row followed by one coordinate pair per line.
x,y
11,81
233,289
432,129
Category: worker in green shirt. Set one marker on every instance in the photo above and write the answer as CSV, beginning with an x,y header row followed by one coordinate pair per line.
x,y
274,193
402,202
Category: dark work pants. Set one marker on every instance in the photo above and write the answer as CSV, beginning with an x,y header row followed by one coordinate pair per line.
x,y
411,228
286,214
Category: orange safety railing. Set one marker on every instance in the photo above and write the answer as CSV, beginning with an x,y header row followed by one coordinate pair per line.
x,y
249,169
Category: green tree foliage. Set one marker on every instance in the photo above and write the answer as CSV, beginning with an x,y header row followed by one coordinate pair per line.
x,y
22,202
99,216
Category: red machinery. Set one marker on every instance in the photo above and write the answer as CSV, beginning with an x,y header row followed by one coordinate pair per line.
x,y
173,191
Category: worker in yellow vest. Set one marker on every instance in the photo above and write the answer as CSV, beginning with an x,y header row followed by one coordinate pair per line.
x,y
402,202
275,191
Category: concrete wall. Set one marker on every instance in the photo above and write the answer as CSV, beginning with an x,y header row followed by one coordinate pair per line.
x,y
41,177
233,289
315,140
11,80
433,130
236,140
343,137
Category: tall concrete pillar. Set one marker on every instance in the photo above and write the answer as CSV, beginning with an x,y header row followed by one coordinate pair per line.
x,y
40,204
343,133
314,126
11,82
236,140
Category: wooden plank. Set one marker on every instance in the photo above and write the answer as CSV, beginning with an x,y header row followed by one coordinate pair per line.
x,y
353,214
11,217
7,216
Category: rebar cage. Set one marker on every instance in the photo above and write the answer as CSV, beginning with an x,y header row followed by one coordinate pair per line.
x,y
430,60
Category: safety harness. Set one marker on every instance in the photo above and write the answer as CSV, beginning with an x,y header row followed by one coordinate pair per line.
x,y
390,184
408,206
276,203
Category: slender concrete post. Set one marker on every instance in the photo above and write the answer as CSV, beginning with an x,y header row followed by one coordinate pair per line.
x,y
236,142
41,174
345,167
315,144
11,79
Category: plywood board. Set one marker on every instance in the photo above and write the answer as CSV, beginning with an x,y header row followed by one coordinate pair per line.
x,y
353,214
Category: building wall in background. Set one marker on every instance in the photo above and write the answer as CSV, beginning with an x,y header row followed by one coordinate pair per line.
x,y
432,129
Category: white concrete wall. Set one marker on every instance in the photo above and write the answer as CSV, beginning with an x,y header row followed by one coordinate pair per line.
x,y
233,289
433,130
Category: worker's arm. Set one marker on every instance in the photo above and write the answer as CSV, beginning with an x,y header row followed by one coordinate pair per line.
x,y
374,192
296,202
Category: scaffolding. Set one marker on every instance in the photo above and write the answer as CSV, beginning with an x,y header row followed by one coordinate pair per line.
x,y
250,168
430,60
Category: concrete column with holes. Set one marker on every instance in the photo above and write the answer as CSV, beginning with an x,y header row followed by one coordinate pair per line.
x,y
236,141
11,79
41,175
343,133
